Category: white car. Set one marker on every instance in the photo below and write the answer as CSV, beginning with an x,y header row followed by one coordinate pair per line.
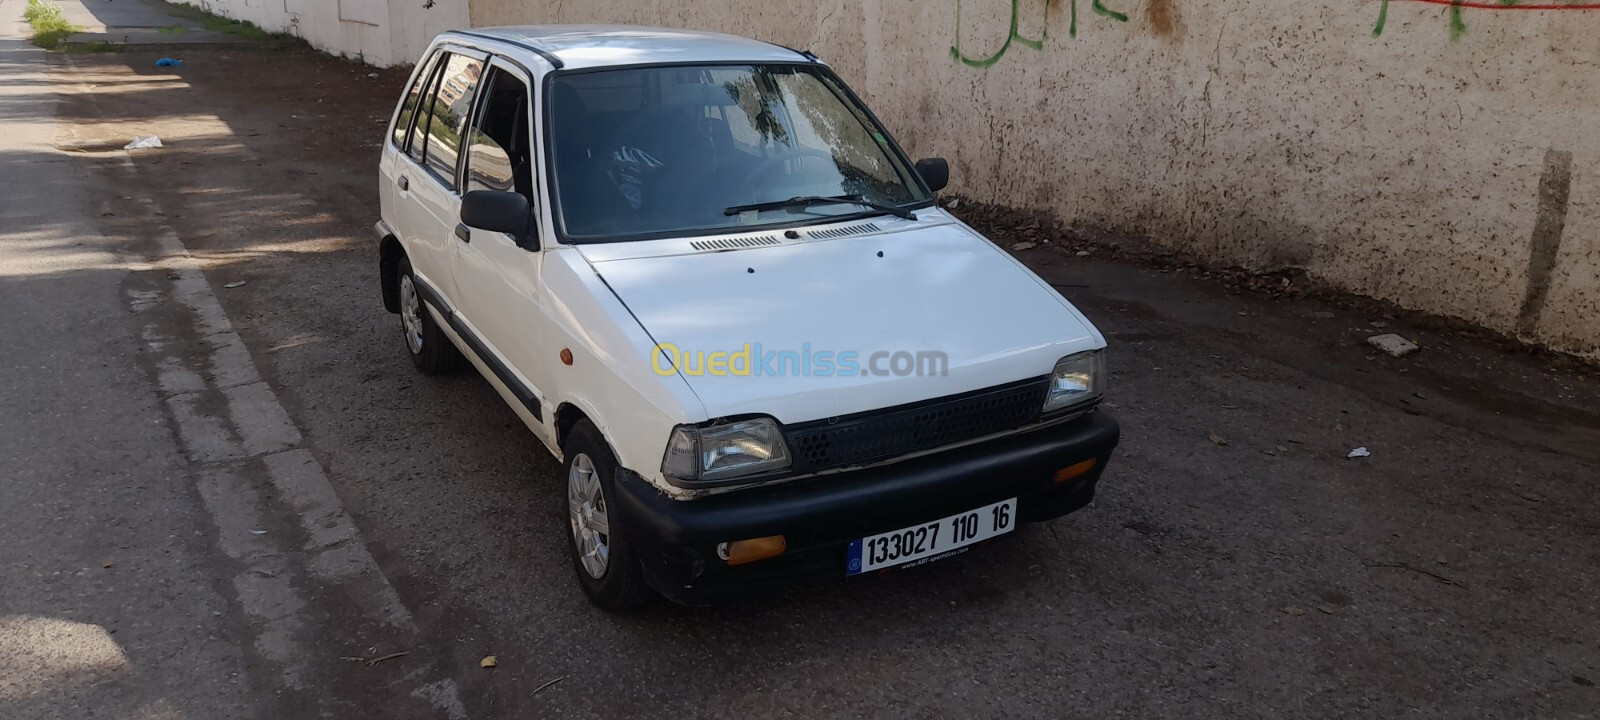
x,y
705,277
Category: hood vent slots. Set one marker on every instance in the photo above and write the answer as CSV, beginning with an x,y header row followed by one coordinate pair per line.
x,y
738,243
846,231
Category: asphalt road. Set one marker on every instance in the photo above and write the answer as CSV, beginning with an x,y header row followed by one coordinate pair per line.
x,y
1235,564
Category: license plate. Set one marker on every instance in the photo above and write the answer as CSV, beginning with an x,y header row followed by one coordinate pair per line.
x,y
931,541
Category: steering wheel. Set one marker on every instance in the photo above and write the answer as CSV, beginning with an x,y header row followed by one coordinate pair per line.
x,y
767,166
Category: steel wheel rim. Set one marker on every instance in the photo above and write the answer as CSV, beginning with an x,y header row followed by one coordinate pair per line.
x,y
411,314
586,508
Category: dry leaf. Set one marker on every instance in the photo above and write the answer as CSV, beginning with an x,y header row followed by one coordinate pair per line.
x,y
488,661
1218,439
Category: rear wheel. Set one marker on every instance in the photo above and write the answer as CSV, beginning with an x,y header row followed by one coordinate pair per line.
x,y
607,569
431,351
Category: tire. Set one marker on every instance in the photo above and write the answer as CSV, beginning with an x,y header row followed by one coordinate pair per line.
x,y
605,564
430,349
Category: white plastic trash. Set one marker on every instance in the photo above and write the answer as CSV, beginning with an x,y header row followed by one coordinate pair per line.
x,y
143,142
1359,452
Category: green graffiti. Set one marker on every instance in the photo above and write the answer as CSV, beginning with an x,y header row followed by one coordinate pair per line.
x,y
1458,8
1015,36
1457,27
1101,9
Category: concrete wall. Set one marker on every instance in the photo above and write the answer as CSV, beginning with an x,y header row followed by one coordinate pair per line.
x,y
1437,156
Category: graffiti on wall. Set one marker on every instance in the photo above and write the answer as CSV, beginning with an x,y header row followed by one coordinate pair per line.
x,y
1015,36
1458,25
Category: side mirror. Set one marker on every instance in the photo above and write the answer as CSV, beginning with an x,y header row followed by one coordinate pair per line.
x,y
935,172
497,211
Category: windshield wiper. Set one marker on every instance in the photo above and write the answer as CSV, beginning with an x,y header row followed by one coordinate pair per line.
x,y
809,200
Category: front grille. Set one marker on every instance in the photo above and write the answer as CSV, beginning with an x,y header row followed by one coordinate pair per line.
x,y
882,434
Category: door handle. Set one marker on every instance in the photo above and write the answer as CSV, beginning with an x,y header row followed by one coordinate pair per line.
x,y
463,233
405,183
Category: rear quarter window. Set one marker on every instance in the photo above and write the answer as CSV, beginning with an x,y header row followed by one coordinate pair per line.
x,y
408,106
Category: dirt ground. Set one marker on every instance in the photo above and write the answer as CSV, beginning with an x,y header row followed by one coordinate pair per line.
x,y
1236,563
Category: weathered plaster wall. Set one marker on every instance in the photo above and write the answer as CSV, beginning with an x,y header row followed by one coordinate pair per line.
x,y
1437,154
1404,163
382,32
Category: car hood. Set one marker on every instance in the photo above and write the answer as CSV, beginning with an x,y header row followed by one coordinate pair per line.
x,y
797,311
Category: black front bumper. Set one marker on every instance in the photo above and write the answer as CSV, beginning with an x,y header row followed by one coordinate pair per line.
x,y
676,539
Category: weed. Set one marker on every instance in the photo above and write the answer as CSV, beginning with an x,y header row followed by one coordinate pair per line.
x,y
50,26
241,28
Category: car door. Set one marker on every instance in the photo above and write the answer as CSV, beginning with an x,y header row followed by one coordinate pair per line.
x,y
427,175
496,274
392,167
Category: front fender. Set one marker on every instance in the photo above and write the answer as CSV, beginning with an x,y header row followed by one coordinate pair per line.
x,y
611,378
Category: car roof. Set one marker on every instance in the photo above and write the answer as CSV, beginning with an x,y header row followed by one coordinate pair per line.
x,y
588,46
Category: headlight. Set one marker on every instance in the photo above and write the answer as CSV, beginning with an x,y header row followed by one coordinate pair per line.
x,y
725,451
1077,378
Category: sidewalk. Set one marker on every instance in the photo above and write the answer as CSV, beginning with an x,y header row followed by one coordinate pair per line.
x,y
138,24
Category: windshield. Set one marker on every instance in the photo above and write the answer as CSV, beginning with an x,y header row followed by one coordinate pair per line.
x,y
653,151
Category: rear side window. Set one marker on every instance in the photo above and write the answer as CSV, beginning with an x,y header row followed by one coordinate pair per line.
x,y
452,104
416,143
408,109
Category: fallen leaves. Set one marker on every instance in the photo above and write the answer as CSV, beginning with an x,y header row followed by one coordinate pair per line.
x,y
1218,439
488,661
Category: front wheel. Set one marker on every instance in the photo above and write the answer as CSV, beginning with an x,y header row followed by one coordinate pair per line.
x,y
607,569
430,349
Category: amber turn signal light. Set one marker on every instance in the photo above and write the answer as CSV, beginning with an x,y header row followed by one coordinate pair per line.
x,y
1072,471
740,552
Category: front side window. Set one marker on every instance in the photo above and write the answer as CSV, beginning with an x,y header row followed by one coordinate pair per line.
x,y
498,146
452,102
654,151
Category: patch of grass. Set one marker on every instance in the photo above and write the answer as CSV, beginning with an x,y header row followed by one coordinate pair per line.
x,y
172,29
241,28
50,26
